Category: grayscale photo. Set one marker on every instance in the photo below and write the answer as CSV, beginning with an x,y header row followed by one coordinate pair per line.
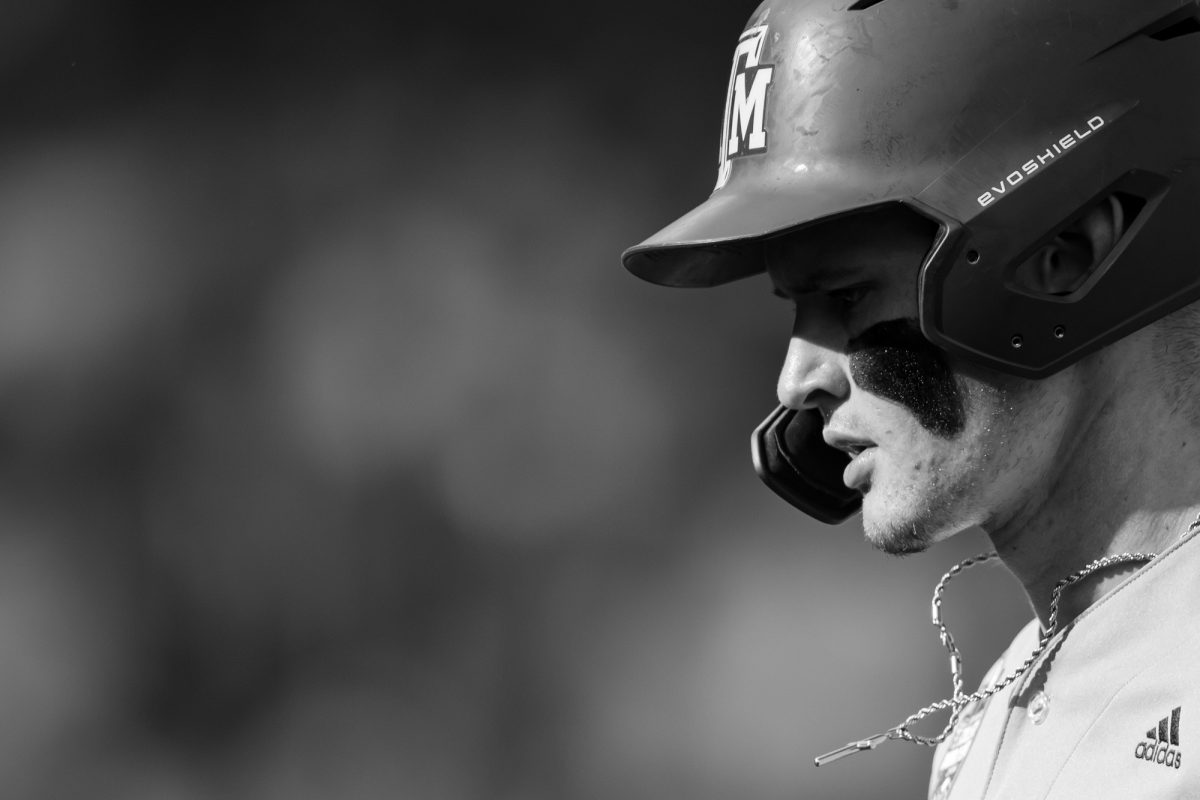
x,y
359,439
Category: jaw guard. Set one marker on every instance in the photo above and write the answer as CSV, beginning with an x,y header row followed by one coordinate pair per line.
x,y
792,458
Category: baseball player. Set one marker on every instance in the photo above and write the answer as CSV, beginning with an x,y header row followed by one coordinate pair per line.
x,y
987,217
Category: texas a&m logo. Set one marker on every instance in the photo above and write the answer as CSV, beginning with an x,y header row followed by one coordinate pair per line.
x,y
744,129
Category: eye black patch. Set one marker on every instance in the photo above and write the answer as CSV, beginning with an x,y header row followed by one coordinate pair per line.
x,y
893,360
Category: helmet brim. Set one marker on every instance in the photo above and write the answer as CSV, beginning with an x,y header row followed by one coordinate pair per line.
x,y
718,241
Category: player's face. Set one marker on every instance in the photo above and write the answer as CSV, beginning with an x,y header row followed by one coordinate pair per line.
x,y
938,444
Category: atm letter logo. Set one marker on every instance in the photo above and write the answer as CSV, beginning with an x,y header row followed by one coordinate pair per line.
x,y
744,130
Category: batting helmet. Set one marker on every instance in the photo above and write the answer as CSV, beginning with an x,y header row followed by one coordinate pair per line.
x,y
1001,123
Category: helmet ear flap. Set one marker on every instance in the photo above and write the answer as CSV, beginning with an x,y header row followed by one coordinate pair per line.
x,y
792,458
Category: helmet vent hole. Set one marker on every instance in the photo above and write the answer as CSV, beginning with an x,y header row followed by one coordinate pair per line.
x,y
972,256
863,5
1177,29
1017,341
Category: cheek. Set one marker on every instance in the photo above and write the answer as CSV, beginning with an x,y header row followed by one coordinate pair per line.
x,y
895,362
926,460
918,458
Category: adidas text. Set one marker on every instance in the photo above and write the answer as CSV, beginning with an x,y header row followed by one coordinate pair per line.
x,y
1158,752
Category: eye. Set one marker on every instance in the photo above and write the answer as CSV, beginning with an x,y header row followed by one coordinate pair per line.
x,y
848,297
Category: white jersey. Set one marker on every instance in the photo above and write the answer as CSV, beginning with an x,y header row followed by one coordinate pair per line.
x,y
1110,709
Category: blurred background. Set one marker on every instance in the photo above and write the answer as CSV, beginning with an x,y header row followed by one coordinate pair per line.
x,y
341,458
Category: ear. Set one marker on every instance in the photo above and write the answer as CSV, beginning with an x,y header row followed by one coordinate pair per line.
x,y
1062,265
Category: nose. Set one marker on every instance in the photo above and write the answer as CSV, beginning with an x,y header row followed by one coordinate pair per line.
x,y
813,376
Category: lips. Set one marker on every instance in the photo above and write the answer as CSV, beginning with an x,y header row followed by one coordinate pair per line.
x,y
847,444
862,457
857,474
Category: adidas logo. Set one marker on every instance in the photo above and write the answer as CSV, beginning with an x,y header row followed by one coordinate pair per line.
x,y
1161,742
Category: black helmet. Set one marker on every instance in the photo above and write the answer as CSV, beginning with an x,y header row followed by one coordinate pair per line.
x,y
1001,123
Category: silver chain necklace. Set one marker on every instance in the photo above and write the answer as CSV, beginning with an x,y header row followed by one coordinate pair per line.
x,y
957,701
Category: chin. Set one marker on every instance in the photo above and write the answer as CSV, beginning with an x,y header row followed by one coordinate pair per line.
x,y
899,527
896,539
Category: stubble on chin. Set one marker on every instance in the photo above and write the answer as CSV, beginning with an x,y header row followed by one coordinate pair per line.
x,y
906,525
897,538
